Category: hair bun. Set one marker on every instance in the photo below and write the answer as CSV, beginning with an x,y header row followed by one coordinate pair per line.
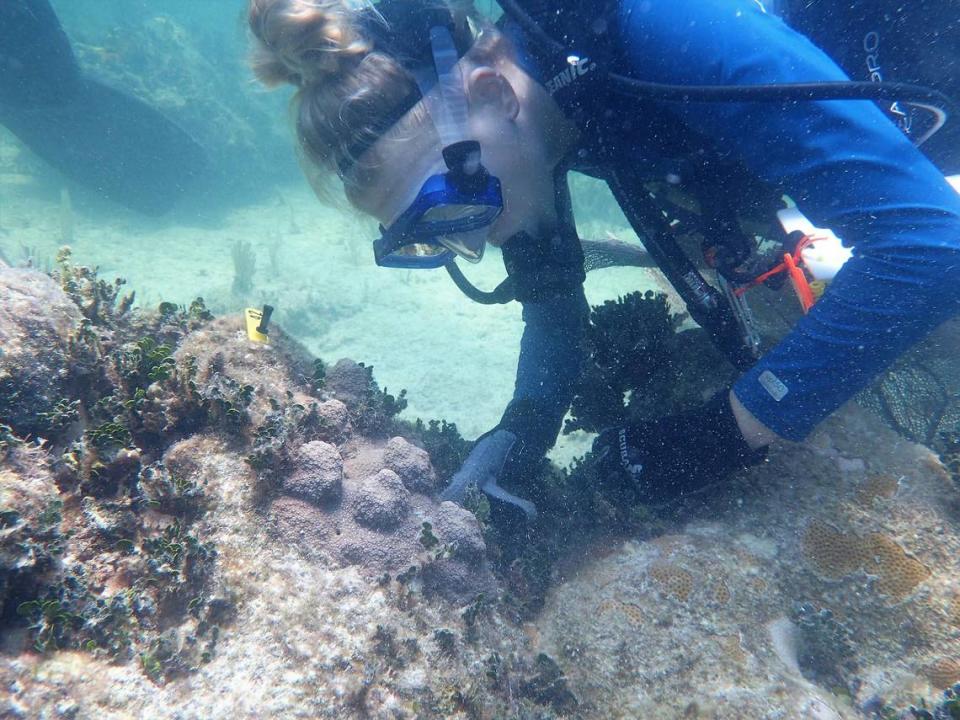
x,y
303,42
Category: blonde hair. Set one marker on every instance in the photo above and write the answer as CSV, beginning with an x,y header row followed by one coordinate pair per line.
x,y
345,86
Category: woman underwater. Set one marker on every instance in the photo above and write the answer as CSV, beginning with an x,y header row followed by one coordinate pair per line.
x,y
453,137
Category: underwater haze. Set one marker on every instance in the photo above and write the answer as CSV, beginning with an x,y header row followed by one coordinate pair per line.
x,y
250,230
200,519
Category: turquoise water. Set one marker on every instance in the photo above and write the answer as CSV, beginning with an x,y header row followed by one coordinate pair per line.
x,y
194,524
312,262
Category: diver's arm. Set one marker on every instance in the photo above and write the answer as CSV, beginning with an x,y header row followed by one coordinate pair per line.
x,y
549,365
755,433
847,167
551,357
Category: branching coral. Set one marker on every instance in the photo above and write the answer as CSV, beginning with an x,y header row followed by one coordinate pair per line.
x,y
99,301
640,366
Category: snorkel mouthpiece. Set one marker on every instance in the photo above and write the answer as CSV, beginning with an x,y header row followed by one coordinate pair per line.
x,y
466,169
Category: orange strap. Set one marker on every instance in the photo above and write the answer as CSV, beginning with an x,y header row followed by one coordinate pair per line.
x,y
760,279
800,284
791,265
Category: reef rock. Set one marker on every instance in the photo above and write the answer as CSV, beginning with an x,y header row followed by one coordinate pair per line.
x,y
228,368
255,538
30,514
270,551
822,581
37,324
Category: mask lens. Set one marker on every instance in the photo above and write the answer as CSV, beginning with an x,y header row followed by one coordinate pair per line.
x,y
416,250
455,213
468,244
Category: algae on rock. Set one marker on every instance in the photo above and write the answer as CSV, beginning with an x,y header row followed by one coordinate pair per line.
x,y
210,514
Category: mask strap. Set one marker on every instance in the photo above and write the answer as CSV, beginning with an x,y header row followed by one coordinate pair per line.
x,y
449,107
542,268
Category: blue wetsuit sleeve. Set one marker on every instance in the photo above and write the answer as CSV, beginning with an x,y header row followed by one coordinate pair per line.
x,y
551,357
847,167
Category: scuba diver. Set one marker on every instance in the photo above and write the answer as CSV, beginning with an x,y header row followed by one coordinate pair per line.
x,y
456,133
97,136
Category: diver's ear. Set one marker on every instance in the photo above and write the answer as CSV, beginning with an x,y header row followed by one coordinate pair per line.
x,y
489,90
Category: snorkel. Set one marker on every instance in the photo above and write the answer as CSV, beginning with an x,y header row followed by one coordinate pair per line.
x,y
453,210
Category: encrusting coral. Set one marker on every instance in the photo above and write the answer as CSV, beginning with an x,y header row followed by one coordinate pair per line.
x,y
673,580
317,476
836,554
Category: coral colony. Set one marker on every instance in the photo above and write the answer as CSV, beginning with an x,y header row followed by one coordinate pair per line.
x,y
183,510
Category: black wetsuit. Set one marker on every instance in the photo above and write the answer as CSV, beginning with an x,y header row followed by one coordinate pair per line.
x,y
880,40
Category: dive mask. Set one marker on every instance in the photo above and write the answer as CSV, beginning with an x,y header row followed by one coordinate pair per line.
x,y
449,217
453,210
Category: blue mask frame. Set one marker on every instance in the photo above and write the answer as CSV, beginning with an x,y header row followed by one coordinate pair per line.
x,y
452,188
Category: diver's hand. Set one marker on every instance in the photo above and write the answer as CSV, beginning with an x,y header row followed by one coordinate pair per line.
x,y
676,455
483,467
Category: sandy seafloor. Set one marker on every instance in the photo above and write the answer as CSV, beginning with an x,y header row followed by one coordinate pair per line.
x,y
455,358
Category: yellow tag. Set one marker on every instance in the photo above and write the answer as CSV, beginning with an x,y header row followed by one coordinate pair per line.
x,y
817,287
253,317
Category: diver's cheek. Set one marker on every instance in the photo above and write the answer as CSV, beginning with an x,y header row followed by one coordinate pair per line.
x,y
500,230
498,236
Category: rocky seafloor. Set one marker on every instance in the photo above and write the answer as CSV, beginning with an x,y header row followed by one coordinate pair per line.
x,y
193,525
